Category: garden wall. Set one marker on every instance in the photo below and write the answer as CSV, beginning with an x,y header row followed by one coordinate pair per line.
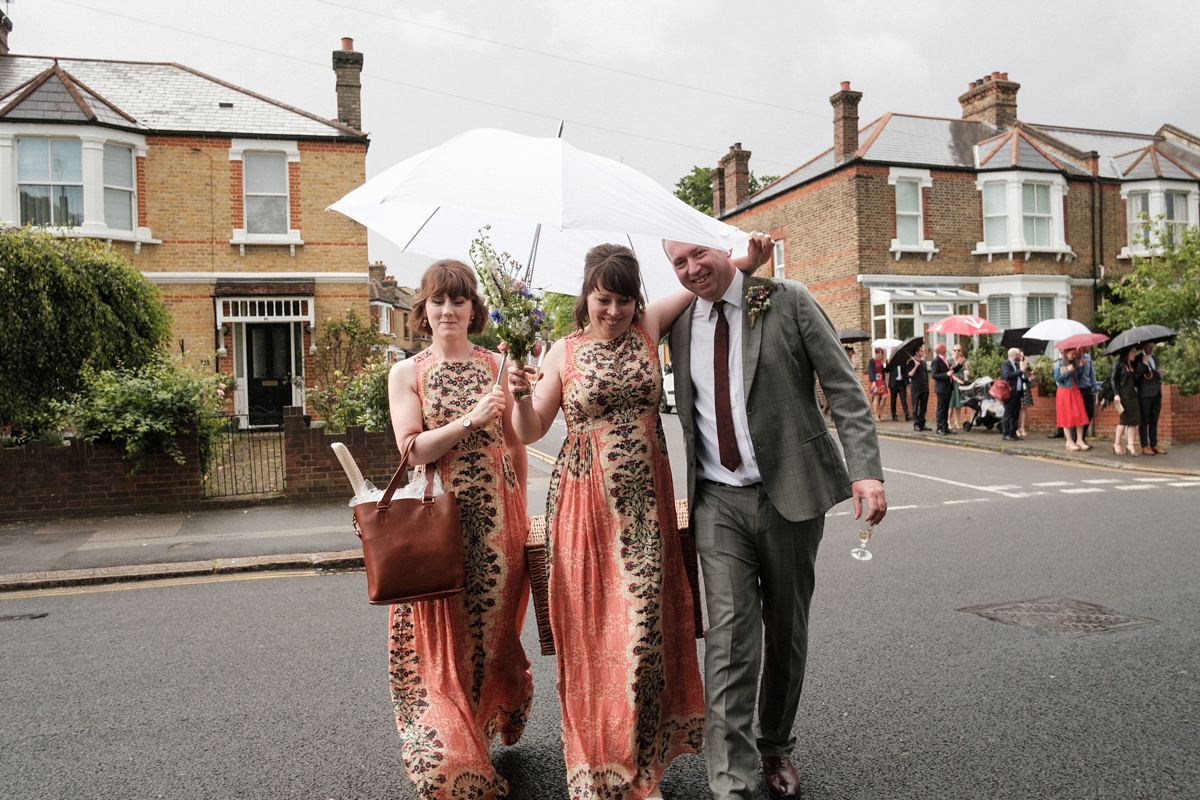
x,y
1179,421
82,479
313,472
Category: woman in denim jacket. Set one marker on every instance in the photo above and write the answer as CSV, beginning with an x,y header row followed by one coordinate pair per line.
x,y
1068,400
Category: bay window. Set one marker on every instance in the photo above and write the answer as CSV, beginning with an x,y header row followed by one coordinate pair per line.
x,y
1022,211
1157,212
50,181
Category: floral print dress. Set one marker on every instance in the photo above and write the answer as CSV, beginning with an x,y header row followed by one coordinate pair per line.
x,y
620,607
458,671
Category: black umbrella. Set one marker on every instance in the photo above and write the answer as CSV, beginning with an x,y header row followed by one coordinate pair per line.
x,y
904,352
851,335
1015,337
1139,335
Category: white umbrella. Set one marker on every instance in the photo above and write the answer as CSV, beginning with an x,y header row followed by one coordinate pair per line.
x,y
544,200
886,344
1055,329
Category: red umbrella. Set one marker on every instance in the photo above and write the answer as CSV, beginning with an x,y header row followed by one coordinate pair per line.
x,y
1080,340
965,324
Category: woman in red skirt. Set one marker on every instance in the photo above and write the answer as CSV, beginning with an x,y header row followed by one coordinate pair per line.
x,y
1068,400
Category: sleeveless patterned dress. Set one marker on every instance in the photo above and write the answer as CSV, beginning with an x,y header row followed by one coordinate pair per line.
x,y
620,607
457,669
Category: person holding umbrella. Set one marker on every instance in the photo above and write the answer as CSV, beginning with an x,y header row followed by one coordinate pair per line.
x,y
943,385
879,390
620,607
1014,370
1069,374
1124,378
898,385
918,387
1149,388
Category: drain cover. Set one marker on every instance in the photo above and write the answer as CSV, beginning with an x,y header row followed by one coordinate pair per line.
x,y
1058,616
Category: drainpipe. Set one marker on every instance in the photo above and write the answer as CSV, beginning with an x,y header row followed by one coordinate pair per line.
x,y
1097,227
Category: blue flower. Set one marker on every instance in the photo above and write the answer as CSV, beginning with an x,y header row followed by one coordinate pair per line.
x,y
497,317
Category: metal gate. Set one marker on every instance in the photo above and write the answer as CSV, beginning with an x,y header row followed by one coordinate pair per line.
x,y
243,460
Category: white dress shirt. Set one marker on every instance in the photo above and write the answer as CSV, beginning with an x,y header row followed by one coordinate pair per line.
x,y
704,330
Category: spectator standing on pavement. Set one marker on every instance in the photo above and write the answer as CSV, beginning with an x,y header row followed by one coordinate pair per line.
x,y
1068,400
918,387
960,377
1088,388
875,377
458,673
1015,371
1150,399
1124,378
1026,404
898,384
943,385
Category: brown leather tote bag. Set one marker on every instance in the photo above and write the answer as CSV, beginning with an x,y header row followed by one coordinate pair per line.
x,y
412,547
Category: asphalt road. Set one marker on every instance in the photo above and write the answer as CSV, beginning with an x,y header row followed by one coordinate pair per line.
x,y
273,685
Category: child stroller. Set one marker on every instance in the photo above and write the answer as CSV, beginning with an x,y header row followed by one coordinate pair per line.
x,y
985,409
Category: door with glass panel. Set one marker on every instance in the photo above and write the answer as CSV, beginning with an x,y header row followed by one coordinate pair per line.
x,y
269,373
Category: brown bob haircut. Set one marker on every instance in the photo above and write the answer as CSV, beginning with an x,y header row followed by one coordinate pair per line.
x,y
447,278
610,268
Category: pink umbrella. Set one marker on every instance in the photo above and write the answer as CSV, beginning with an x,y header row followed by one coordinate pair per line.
x,y
965,324
1080,340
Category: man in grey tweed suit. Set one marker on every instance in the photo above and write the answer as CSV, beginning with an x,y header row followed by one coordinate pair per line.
x,y
758,510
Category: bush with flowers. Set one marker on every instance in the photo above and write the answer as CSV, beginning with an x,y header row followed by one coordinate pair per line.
x,y
147,408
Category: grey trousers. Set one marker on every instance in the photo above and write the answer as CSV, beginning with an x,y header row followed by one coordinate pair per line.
x,y
758,581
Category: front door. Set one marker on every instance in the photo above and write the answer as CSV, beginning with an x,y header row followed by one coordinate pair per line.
x,y
269,381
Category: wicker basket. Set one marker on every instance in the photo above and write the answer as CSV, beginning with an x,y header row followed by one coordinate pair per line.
x,y
539,574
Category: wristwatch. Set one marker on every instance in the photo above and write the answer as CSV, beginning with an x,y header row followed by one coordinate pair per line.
x,y
466,422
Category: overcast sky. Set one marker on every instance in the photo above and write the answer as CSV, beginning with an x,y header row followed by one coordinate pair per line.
x,y
662,85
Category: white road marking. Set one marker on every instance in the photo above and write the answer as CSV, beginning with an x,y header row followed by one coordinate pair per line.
x,y
1185,484
1084,490
972,500
1101,480
1135,486
1001,490
1053,483
1154,480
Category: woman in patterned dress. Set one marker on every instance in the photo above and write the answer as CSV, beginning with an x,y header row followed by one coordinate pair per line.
x,y
458,671
620,606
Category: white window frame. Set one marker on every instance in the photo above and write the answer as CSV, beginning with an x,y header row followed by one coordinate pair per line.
x,y
1032,300
92,141
237,149
924,180
1036,215
1014,181
1018,288
779,258
129,192
993,307
1137,226
1157,190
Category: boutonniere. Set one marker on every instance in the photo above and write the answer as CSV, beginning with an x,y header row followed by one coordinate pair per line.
x,y
758,299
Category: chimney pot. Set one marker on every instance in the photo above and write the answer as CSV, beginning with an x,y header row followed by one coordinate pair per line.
x,y
996,76
347,43
992,99
845,86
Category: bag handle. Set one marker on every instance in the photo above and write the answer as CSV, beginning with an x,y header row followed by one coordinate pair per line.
x,y
402,473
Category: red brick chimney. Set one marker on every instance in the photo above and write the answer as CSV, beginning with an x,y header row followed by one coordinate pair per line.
x,y
735,166
845,123
991,99
347,66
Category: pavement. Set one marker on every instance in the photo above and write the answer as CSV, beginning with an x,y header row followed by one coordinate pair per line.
x,y
48,554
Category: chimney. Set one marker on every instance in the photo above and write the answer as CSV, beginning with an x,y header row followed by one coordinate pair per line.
x,y
735,169
718,187
845,123
377,271
5,27
991,99
347,66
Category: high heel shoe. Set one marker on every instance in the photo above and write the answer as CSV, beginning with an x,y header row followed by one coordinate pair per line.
x,y
1073,447
1117,449
1131,451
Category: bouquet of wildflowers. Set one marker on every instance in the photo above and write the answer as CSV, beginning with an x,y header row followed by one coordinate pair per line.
x,y
514,309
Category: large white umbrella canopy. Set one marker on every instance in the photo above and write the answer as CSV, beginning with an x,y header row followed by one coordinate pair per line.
x,y
1054,329
435,203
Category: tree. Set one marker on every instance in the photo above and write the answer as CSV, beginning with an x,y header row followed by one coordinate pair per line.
x,y
695,188
561,310
345,346
67,305
1162,289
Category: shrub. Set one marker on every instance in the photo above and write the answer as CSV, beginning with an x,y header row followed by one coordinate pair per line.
x,y
1180,363
147,408
364,399
344,347
67,304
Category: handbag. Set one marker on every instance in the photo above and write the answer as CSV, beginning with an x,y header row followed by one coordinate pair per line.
x,y
412,546
1000,390
1118,404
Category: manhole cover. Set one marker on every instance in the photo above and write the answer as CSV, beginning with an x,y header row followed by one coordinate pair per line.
x,y
1058,616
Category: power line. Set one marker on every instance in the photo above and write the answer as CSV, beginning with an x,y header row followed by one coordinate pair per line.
x,y
418,87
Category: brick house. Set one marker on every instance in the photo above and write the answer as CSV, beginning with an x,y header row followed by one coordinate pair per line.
x,y
215,193
390,306
911,218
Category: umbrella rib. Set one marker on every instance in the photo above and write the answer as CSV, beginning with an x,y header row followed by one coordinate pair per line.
x,y
432,214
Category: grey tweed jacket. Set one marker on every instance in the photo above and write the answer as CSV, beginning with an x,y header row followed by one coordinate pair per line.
x,y
792,344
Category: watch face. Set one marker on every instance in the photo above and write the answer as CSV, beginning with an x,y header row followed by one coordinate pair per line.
x,y
466,423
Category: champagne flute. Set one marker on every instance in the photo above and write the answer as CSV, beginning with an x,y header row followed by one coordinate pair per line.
x,y
864,536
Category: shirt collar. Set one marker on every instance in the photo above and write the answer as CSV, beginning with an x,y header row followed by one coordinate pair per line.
x,y
732,296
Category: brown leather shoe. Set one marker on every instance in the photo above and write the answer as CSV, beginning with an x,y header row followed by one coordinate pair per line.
x,y
1146,451
1159,450
782,780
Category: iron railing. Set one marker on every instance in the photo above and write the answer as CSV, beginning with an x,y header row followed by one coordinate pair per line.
x,y
243,459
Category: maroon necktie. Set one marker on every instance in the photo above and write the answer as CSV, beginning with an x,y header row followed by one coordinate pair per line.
x,y
726,438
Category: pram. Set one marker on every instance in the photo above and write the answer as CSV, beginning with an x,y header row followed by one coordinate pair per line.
x,y
985,409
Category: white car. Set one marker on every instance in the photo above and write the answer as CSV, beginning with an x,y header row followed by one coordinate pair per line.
x,y
667,401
